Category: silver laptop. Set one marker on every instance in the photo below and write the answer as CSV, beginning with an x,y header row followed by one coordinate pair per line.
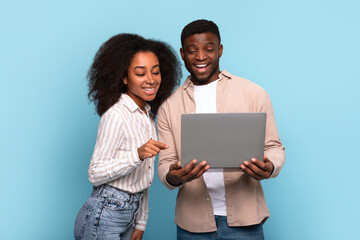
x,y
224,140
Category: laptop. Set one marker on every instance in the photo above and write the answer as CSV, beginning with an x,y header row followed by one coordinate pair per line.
x,y
224,140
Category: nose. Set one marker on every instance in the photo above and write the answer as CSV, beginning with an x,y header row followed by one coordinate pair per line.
x,y
201,55
150,79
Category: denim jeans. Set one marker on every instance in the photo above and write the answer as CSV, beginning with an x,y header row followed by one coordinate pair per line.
x,y
107,214
254,232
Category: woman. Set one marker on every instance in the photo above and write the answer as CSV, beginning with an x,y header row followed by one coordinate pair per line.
x,y
128,80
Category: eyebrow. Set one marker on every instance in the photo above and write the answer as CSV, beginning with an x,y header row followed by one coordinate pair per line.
x,y
193,44
142,67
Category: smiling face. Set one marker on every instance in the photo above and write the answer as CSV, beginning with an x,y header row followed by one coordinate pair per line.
x,y
143,78
201,53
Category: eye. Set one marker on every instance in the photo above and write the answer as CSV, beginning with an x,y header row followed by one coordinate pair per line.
x,y
156,73
139,74
210,50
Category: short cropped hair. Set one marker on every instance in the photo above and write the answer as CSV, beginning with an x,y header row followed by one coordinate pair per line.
x,y
199,26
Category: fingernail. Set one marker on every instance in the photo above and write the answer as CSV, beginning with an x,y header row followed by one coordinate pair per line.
x,y
246,162
242,166
253,159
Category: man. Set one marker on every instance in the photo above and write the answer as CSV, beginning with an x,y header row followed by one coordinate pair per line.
x,y
215,204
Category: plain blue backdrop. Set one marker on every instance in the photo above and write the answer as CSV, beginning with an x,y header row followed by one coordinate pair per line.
x,y
304,53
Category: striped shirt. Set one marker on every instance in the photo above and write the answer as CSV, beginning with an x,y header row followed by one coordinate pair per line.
x,y
115,161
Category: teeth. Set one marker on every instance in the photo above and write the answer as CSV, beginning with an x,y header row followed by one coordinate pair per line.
x,y
201,65
148,89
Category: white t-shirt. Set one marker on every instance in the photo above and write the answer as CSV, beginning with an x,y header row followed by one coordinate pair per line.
x,y
205,100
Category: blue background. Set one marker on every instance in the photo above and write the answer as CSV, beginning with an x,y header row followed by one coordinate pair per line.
x,y
304,53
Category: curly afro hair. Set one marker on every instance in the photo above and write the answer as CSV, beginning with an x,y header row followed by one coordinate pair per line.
x,y
111,64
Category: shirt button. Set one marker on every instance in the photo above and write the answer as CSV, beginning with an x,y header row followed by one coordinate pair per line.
x,y
208,199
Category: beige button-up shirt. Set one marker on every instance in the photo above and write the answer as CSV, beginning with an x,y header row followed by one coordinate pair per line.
x,y
245,202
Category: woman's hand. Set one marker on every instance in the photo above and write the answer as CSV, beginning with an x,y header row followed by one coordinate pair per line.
x,y
137,234
150,148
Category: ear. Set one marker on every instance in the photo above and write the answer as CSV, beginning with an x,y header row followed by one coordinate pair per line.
x,y
182,53
125,80
220,50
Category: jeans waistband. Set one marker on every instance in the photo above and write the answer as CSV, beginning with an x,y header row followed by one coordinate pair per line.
x,y
109,191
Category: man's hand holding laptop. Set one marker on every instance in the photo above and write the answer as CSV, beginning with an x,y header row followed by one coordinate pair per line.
x,y
258,169
178,175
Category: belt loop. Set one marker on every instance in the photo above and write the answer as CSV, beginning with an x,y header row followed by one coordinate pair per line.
x,y
100,190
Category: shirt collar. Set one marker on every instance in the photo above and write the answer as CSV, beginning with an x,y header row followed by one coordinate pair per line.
x,y
128,102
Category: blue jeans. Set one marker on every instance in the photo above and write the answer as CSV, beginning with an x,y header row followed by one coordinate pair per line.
x,y
254,232
108,214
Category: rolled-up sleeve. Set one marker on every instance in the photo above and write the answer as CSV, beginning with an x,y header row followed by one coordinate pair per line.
x,y
274,149
169,155
142,215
